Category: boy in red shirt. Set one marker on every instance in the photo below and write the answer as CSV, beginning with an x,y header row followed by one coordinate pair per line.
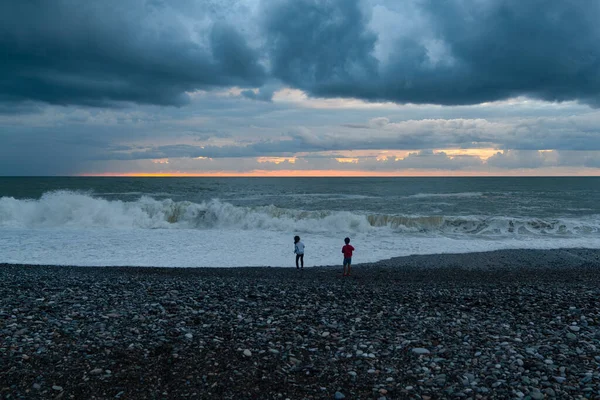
x,y
347,250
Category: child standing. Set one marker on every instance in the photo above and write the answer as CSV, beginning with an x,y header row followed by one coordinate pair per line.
x,y
347,250
299,251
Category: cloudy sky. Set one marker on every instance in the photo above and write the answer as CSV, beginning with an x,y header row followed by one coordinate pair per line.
x,y
300,87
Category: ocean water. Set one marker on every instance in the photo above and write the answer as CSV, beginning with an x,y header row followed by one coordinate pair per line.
x,y
229,222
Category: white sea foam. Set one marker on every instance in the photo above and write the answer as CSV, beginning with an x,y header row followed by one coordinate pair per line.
x,y
66,227
64,209
231,247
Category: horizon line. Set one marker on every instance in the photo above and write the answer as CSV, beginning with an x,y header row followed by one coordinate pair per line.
x,y
329,174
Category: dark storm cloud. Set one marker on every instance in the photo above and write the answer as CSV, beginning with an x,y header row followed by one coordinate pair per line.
x,y
99,53
153,52
544,49
495,49
322,46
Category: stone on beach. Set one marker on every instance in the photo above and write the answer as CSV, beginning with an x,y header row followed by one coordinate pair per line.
x,y
413,327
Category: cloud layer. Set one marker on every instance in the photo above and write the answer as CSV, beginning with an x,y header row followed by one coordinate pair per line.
x,y
474,86
439,52
102,53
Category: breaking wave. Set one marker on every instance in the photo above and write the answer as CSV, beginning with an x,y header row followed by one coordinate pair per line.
x,y
66,209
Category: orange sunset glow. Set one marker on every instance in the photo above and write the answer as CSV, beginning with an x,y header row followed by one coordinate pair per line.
x,y
337,173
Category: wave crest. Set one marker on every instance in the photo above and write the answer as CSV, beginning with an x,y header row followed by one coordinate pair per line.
x,y
66,209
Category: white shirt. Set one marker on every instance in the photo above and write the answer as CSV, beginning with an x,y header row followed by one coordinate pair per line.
x,y
299,249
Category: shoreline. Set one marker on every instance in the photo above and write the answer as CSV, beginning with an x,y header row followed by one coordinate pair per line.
x,y
501,324
503,258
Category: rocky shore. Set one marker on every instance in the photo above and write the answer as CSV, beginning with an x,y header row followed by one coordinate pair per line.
x,y
499,325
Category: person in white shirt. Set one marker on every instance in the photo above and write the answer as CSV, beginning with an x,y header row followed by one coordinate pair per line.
x,y
299,251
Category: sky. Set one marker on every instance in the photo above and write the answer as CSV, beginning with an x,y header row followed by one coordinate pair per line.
x,y
300,87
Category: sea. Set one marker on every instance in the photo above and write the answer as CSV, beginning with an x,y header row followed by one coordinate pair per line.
x,y
234,222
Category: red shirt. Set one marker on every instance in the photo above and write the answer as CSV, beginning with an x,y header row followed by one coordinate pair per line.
x,y
347,250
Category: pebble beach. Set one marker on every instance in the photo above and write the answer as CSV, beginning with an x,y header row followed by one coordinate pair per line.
x,y
506,324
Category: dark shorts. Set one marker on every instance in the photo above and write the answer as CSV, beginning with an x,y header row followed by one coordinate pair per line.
x,y
347,260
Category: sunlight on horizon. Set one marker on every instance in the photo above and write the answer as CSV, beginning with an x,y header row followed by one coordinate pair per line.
x,y
532,172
